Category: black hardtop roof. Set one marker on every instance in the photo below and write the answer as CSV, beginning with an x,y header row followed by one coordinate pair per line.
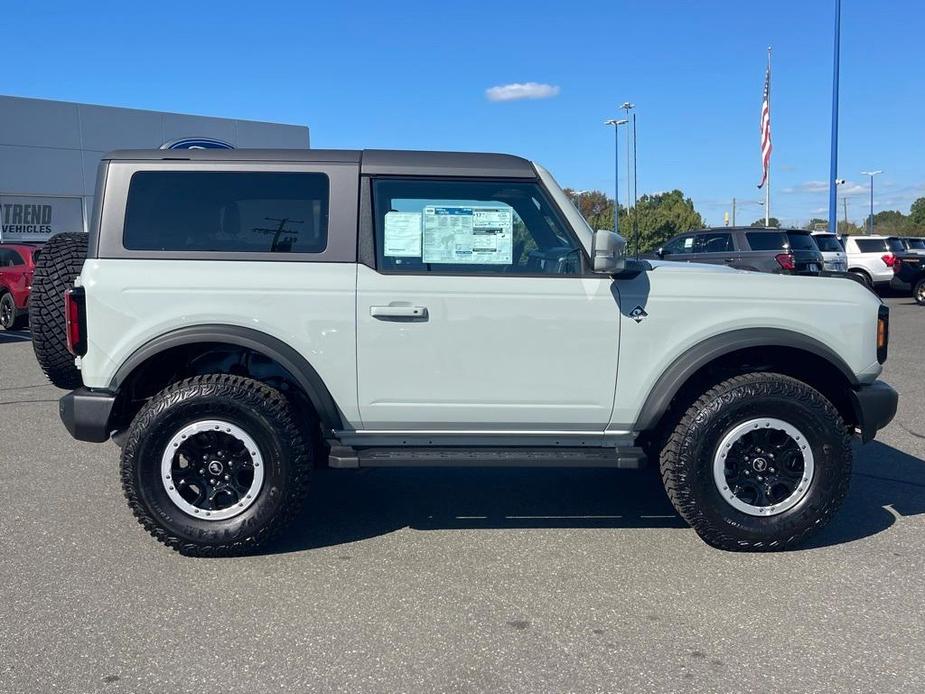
x,y
371,161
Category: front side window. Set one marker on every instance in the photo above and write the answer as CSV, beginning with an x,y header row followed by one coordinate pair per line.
x,y
682,244
470,227
917,244
714,242
238,212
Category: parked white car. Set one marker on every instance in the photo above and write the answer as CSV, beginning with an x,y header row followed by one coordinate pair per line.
x,y
833,253
870,258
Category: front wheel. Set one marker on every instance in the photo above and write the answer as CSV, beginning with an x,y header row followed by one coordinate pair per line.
x,y
757,463
918,292
216,465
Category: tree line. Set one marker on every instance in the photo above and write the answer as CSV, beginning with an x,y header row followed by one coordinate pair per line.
x,y
657,216
886,222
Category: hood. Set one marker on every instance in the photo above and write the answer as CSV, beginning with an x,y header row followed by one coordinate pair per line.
x,y
674,266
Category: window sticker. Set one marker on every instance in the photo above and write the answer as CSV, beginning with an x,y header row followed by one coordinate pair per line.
x,y
402,235
468,235
688,243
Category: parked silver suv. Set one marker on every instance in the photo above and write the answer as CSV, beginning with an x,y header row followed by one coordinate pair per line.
x,y
833,253
239,317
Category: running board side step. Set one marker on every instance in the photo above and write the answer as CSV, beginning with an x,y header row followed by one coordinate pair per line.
x,y
629,458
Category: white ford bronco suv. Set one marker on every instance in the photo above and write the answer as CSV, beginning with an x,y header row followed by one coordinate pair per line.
x,y
241,316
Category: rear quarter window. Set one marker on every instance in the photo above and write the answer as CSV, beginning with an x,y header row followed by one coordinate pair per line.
x,y
871,245
249,212
765,240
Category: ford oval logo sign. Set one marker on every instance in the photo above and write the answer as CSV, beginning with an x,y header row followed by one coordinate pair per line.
x,y
196,143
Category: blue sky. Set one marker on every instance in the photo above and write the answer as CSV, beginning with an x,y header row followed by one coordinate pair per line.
x,y
415,74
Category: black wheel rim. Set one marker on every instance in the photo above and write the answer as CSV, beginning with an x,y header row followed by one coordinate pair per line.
x,y
7,311
763,467
212,469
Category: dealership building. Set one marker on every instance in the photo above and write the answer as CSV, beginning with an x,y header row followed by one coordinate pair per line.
x,y
49,152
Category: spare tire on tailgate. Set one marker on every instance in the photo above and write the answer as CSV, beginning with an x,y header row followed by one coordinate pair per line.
x,y
58,265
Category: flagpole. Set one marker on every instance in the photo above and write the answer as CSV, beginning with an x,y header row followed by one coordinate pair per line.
x,y
833,157
767,185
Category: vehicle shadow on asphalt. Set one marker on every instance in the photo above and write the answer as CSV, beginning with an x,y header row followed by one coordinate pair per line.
x,y
887,485
350,505
15,336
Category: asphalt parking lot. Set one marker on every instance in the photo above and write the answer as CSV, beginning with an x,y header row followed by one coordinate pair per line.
x,y
456,580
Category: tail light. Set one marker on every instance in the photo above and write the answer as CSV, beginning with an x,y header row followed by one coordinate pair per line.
x,y
889,259
883,332
785,260
75,319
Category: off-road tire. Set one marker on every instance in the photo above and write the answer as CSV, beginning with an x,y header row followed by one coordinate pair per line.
x,y
261,411
57,267
686,461
10,317
918,292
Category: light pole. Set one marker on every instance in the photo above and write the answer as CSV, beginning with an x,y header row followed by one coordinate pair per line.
x,y
627,107
870,223
616,170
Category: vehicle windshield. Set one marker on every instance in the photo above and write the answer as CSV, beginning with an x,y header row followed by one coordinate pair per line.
x,y
569,209
801,242
828,244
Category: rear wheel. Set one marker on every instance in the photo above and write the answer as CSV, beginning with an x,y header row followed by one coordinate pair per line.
x,y
10,317
757,463
862,277
216,465
55,271
918,292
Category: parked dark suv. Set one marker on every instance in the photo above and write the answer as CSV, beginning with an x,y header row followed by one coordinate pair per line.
x,y
786,251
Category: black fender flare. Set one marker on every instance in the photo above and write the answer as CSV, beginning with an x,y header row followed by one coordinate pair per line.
x,y
677,374
273,348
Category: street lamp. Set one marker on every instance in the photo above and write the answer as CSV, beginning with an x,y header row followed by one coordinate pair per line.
x,y
870,224
616,170
627,107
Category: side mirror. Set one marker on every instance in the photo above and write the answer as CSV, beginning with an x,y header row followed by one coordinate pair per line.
x,y
608,252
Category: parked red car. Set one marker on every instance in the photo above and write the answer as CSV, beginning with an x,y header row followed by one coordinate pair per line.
x,y
17,263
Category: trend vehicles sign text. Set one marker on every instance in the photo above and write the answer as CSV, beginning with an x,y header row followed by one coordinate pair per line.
x,y
38,218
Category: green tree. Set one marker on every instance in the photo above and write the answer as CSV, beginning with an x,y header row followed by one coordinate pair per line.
x,y
890,223
917,218
658,217
811,224
772,222
849,228
661,216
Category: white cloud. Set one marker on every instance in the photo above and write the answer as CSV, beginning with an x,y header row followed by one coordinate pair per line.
x,y
847,189
527,90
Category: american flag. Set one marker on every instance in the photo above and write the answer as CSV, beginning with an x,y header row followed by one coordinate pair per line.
x,y
766,127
